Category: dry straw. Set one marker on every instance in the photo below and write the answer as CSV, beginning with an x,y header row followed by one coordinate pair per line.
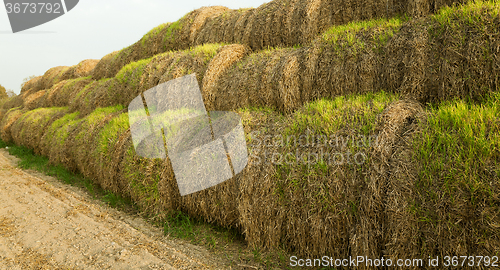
x,y
277,23
137,77
83,69
101,69
26,87
35,100
175,36
8,120
58,74
339,211
60,95
84,139
382,201
226,57
51,77
29,129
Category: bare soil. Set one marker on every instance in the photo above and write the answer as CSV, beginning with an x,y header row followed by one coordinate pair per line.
x,y
45,224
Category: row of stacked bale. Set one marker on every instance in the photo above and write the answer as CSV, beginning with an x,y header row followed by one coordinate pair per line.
x,y
334,177
58,74
357,207
204,21
429,60
279,23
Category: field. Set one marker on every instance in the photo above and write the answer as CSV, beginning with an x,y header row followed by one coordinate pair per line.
x,y
373,132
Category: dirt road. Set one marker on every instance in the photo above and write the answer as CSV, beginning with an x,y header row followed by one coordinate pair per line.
x,y
47,225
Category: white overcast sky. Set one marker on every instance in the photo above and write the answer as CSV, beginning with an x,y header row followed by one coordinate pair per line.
x,y
91,30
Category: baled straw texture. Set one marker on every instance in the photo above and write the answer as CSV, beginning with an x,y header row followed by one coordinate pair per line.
x,y
29,129
273,24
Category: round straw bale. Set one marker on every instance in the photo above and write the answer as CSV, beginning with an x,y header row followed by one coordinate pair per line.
x,y
294,19
105,151
27,87
121,59
53,93
56,143
100,71
202,15
51,77
13,102
2,102
253,81
8,120
391,181
29,129
226,28
62,96
290,86
145,74
152,42
149,182
224,59
216,204
406,69
17,128
315,21
84,138
282,208
83,69
396,124
2,113
255,202
49,138
240,26
35,100
252,35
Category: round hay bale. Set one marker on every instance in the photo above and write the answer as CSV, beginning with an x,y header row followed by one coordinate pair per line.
x,y
225,58
252,81
100,71
106,165
50,78
29,129
314,22
240,26
13,102
290,86
406,69
27,87
54,92
7,121
83,69
35,100
395,126
227,27
2,113
152,42
149,182
140,76
84,139
17,128
202,15
57,142
56,135
60,95
217,204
